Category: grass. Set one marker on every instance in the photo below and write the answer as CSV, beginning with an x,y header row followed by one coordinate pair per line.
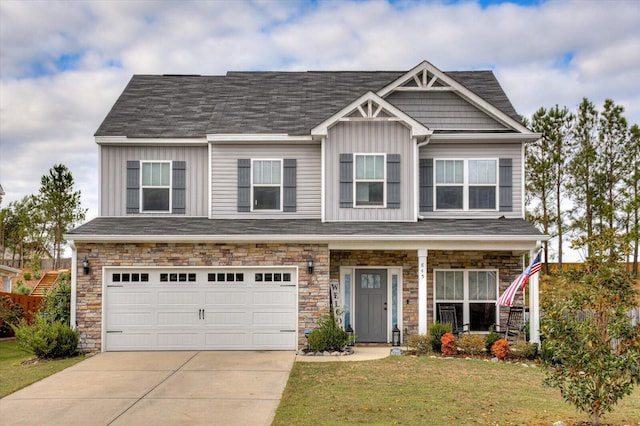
x,y
422,390
15,376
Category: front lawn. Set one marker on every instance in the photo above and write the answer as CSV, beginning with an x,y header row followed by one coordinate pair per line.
x,y
422,390
15,376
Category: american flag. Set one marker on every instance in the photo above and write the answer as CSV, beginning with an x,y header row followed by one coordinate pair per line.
x,y
506,299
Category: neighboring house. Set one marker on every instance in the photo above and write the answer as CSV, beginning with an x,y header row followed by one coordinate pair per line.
x,y
229,206
7,273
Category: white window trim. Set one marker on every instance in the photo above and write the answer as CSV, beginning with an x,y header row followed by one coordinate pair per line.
x,y
465,185
142,186
280,186
383,180
465,300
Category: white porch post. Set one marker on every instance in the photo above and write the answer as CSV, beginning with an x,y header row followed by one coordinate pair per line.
x,y
74,283
534,304
422,291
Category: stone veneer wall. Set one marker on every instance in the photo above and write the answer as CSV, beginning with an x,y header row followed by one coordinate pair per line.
x,y
508,265
407,259
313,290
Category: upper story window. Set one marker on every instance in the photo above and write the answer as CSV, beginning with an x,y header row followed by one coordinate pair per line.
x,y
370,179
472,293
156,186
466,184
267,184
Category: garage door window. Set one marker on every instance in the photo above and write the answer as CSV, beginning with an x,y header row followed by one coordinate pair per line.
x,y
130,278
225,277
178,277
273,277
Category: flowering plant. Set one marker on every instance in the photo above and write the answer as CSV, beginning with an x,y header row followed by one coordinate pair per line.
x,y
449,346
500,349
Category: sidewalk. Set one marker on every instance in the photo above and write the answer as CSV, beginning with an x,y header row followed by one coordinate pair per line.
x,y
360,353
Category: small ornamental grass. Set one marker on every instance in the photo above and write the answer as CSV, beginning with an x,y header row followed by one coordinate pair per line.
x,y
329,336
436,331
472,344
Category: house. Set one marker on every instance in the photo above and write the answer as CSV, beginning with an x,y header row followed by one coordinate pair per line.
x,y
230,207
7,273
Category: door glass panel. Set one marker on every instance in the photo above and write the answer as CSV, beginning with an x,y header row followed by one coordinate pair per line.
x,y
347,299
394,299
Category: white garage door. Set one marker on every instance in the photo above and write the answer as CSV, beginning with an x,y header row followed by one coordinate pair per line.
x,y
202,309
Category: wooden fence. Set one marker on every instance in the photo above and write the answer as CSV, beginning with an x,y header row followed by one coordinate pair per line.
x,y
30,304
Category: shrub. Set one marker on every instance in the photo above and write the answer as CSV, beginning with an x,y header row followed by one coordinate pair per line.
x,y
524,350
21,289
472,344
37,275
420,342
328,336
449,346
491,338
27,275
500,349
436,331
10,314
46,339
56,305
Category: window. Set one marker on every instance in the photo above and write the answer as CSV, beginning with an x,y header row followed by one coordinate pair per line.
x,y
466,184
472,293
370,179
267,184
156,185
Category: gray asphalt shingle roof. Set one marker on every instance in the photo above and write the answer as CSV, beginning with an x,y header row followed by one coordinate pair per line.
x,y
191,226
256,102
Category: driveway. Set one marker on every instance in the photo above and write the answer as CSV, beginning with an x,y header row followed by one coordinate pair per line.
x,y
174,388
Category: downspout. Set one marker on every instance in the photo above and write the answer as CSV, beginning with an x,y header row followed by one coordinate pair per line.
x,y
417,174
74,284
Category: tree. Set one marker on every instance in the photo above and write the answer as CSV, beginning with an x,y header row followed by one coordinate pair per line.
x,y
595,346
61,206
631,194
22,229
582,169
546,177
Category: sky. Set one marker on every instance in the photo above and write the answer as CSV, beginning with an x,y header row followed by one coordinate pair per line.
x,y
64,63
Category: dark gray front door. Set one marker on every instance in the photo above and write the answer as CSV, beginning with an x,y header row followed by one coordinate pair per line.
x,y
371,305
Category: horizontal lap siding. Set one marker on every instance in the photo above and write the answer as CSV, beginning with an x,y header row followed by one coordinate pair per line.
x,y
474,151
369,137
443,110
224,179
113,169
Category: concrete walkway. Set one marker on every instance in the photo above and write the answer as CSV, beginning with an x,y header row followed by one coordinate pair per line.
x,y
360,353
170,388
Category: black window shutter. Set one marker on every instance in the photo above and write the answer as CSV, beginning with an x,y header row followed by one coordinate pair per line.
x,y
393,181
244,185
289,185
426,184
346,180
506,185
133,187
179,186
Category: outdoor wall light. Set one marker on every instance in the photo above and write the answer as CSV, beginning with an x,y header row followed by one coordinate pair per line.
x,y
395,337
310,266
85,265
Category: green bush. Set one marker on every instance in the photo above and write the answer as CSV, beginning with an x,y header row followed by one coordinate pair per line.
x,y
21,289
329,336
472,344
10,314
46,339
27,276
421,343
56,305
491,338
37,275
524,350
436,331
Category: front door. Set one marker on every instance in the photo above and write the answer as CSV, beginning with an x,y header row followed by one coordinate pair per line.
x,y
371,305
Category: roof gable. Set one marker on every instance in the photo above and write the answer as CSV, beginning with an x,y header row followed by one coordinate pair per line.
x,y
371,107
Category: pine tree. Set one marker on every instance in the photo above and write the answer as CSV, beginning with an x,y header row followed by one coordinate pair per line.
x,y
631,192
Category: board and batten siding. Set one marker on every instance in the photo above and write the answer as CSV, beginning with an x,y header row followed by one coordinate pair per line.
x,y
443,110
479,151
224,179
378,137
113,169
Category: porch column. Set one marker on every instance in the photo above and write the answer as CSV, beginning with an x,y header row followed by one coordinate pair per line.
x,y
534,304
422,291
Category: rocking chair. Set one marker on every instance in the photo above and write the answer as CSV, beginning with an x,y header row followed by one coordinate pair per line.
x,y
448,315
515,323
